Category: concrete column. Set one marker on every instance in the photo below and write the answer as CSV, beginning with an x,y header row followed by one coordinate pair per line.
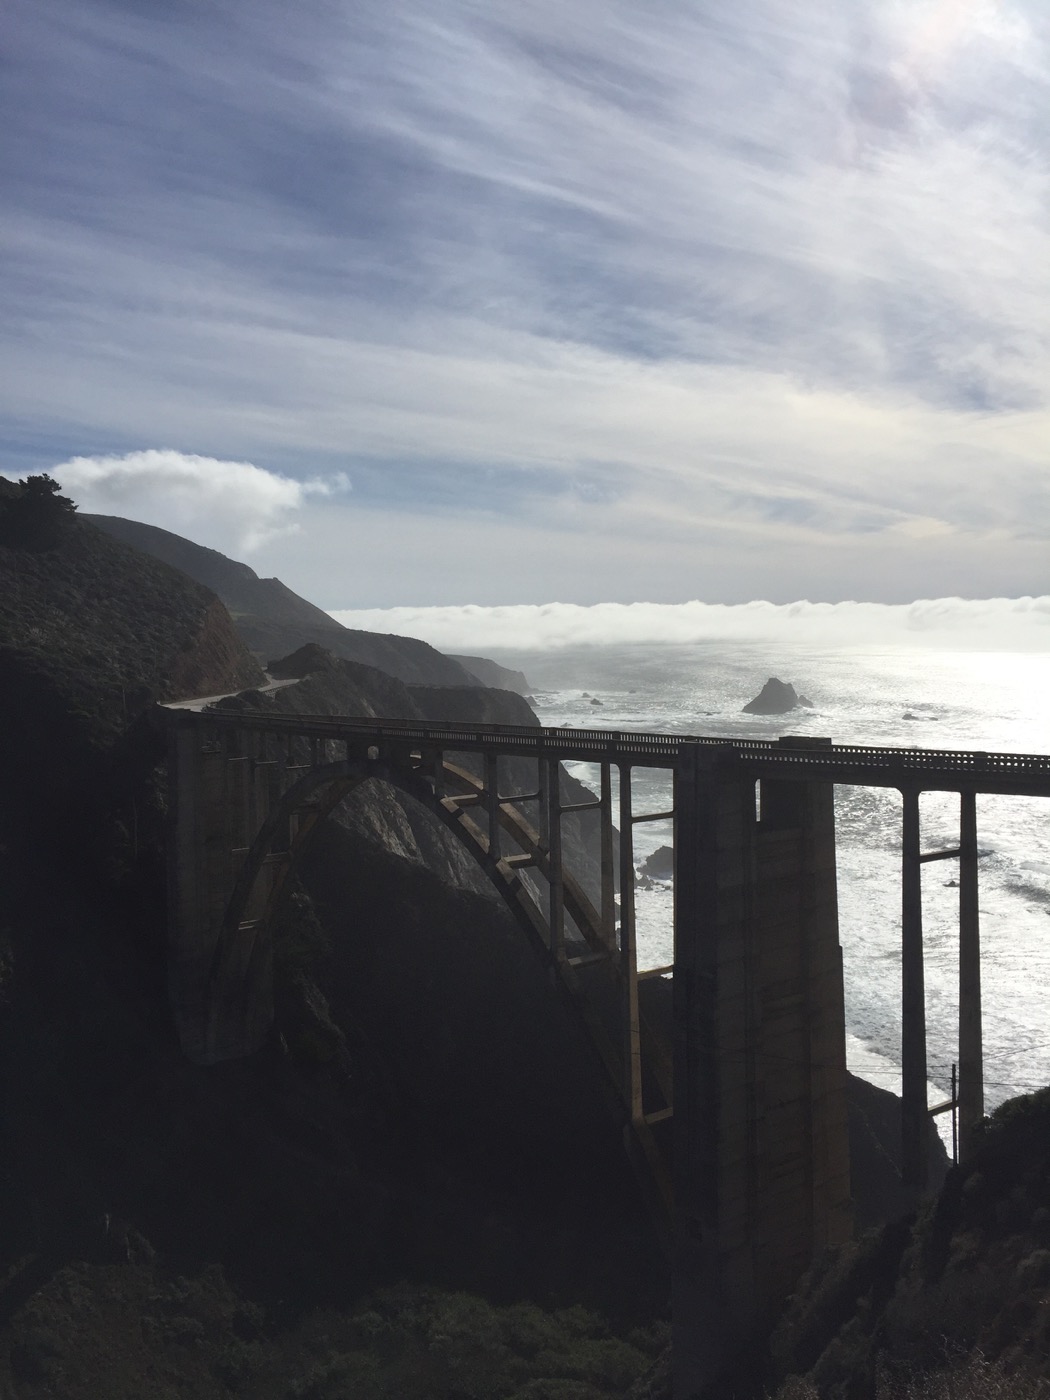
x,y
492,803
971,1049
705,1326
544,788
608,904
552,812
914,1107
632,1047
761,1140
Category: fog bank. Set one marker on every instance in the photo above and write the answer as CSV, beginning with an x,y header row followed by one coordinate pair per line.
x,y
958,624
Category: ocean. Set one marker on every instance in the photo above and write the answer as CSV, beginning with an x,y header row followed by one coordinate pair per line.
x,y
994,701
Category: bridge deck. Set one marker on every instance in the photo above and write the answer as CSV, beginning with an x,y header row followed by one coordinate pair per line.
x,y
945,770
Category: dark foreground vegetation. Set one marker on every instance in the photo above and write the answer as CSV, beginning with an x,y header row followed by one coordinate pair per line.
x,y
955,1303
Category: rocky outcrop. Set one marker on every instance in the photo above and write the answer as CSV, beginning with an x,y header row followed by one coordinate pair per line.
x,y
960,1290
776,697
472,705
660,865
212,661
273,621
492,673
875,1154
302,662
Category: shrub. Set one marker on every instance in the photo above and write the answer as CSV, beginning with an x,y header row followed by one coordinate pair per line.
x,y
970,1377
35,517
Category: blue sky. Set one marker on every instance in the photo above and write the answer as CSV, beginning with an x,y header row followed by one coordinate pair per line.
x,y
518,303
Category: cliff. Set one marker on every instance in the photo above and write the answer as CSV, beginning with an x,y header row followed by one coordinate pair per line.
x,y
492,673
273,621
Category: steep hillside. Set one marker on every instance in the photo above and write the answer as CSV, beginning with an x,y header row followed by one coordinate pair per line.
x,y
273,621
100,619
304,1223
954,1305
92,633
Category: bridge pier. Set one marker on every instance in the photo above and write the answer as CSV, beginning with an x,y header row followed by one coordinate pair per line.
x,y
761,1146
971,1051
914,1104
215,800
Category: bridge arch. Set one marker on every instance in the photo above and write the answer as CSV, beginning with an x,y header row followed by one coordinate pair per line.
x,y
262,885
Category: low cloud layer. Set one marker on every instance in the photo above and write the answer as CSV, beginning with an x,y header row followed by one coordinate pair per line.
x,y
992,624
232,506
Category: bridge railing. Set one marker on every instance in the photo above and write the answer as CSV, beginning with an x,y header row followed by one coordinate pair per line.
x,y
786,757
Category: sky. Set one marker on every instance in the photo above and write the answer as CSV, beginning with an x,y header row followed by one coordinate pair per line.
x,y
490,304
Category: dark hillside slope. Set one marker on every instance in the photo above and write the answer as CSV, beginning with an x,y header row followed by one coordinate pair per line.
x,y
274,621
92,633
955,1303
107,622
167,1230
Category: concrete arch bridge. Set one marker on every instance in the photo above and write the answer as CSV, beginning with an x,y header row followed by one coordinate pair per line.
x,y
737,1121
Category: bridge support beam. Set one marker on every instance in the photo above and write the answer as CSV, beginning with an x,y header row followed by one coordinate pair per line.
x,y
761,1144
914,1103
971,1052
632,1038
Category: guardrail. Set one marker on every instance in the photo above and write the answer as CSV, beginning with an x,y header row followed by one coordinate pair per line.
x,y
800,757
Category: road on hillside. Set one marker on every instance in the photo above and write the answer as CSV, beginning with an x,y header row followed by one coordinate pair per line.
x,y
198,702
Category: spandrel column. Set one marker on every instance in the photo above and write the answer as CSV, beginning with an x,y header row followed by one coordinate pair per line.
x,y
914,1108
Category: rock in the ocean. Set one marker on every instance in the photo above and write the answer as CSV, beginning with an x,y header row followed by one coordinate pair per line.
x,y
775,698
660,865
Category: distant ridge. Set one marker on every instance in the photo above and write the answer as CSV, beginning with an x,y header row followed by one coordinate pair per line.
x,y
273,621
492,673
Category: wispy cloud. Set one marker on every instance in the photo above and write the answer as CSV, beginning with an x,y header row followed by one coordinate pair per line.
x,y
772,275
